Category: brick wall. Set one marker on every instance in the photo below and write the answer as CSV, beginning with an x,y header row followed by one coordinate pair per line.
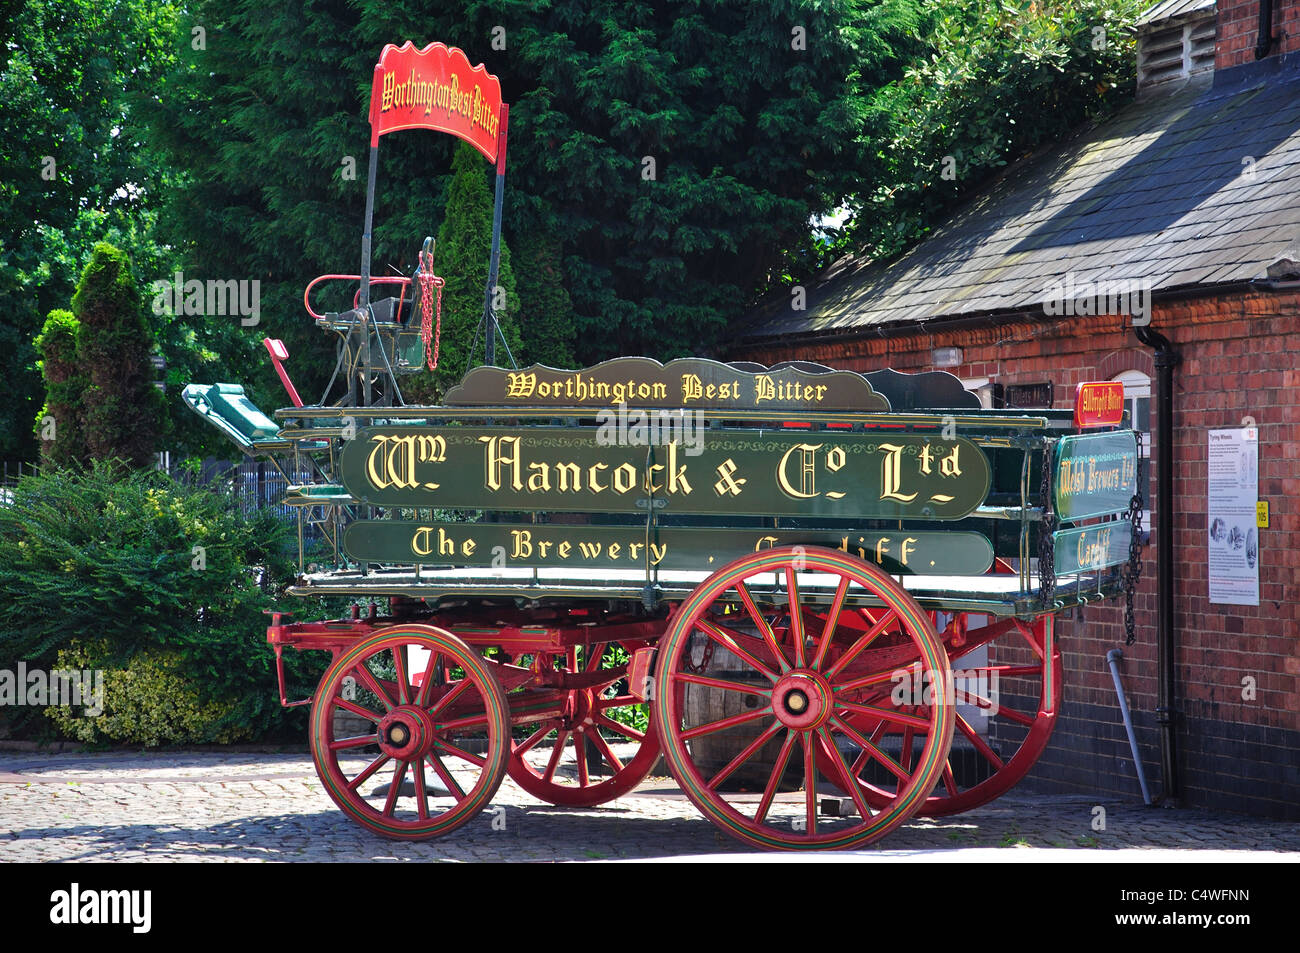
x,y
1238,30
1239,357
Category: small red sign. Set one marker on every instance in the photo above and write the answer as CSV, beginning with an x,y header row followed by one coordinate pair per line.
x,y
1099,404
435,88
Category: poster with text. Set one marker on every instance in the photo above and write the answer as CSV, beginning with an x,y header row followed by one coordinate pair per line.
x,y
1233,539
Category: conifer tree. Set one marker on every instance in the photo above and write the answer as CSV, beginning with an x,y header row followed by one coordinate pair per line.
x,y
58,426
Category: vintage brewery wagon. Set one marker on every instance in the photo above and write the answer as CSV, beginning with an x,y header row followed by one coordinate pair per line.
x,y
826,598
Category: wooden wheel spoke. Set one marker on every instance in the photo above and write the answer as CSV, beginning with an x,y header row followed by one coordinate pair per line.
x,y
892,766
356,741
372,683
468,721
832,618
421,794
395,789
747,599
370,769
605,750
359,710
622,729
427,680
1019,717
731,645
445,775
580,755
448,698
774,781
980,744
796,616
744,755
532,739
949,782
556,753
722,683
729,722
809,785
861,644
461,753
905,752
849,777
403,683
890,715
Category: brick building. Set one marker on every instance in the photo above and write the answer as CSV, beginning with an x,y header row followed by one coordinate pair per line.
x,y
1184,210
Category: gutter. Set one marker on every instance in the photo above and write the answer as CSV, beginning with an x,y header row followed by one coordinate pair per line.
x,y
1264,38
1166,359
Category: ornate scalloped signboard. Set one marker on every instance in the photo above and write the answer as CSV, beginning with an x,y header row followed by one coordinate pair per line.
x,y
686,382
435,88
719,472
1099,404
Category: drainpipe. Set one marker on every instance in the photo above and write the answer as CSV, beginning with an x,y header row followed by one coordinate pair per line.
x,y
1166,358
1264,37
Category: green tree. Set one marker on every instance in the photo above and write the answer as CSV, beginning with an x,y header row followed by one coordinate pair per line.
x,y
75,164
1000,78
121,408
545,316
751,114
63,442
461,258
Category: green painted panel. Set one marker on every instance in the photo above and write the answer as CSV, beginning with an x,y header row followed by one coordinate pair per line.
x,y
1096,474
502,545
715,472
1091,547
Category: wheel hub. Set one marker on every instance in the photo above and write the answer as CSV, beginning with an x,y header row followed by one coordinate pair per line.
x,y
406,733
802,699
577,707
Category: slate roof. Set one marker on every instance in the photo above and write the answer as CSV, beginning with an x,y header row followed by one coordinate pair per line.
x,y
1168,9
1160,192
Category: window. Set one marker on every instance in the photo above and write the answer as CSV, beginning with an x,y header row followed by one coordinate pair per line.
x,y
1137,399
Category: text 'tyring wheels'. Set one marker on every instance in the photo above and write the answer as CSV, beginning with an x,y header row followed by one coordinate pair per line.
x,y
802,677
441,733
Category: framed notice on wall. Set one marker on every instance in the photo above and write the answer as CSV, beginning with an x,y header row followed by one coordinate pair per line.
x,y
1233,540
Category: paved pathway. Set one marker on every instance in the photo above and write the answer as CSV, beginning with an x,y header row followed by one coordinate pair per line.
x,y
259,807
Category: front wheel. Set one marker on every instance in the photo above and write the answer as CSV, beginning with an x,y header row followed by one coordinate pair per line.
x,y
439,739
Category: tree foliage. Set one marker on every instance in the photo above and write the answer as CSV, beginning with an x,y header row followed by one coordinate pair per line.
x,y
121,410
1000,78
75,164
63,442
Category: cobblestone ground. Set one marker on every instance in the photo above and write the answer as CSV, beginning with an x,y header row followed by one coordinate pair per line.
x,y
271,807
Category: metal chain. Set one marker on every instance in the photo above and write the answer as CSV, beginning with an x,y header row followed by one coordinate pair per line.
x,y
431,337
1048,524
1133,569
705,659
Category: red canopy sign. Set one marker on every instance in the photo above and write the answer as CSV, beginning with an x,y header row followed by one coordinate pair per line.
x,y
435,88
1099,404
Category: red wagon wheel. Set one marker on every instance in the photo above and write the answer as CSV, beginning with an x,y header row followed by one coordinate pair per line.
x,y
418,774
586,725
1018,690
803,679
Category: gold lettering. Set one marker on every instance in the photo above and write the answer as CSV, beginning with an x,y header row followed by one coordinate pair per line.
x,y
497,457
420,541
540,480
591,478
949,466
807,477
677,482
523,540
614,550
892,474
564,549
570,477
658,552
624,477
